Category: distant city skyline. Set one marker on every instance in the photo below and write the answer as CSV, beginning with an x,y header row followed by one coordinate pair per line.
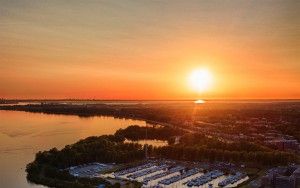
x,y
140,49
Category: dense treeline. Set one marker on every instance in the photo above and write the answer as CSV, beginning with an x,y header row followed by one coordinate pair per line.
x,y
201,140
136,132
198,147
107,149
112,148
203,153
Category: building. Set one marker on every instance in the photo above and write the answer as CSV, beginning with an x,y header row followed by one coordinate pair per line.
x,y
278,178
283,144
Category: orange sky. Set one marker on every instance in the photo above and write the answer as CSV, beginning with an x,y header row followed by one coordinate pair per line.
x,y
146,49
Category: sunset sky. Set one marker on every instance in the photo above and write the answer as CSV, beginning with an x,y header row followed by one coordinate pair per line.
x,y
146,49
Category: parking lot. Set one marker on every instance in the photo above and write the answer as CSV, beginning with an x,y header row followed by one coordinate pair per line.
x,y
89,170
171,174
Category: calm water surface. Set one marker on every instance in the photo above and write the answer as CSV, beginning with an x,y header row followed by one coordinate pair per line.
x,y
23,134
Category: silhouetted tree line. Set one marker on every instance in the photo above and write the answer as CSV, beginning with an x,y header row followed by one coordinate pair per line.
x,y
198,147
199,139
136,132
107,149
199,153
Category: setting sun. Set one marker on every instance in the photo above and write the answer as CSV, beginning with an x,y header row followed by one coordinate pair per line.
x,y
200,80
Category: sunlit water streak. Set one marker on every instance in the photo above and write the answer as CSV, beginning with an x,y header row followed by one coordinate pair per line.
x,y
23,134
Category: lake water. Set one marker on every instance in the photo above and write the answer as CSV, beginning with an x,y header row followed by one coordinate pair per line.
x,y
22,134
156,143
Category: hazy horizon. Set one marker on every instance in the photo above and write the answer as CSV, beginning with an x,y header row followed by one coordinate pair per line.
x,y
194,99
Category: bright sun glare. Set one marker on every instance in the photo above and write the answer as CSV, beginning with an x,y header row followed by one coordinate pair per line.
x,y
200,80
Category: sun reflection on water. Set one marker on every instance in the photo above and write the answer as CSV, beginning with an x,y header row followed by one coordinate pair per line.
x,y
200,101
